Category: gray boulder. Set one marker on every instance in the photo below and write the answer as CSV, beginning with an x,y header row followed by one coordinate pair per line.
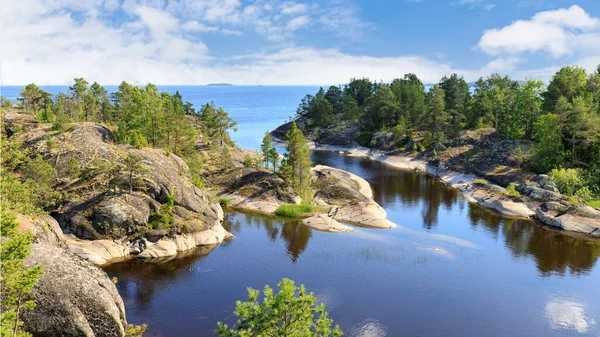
x,y
73,297
545,182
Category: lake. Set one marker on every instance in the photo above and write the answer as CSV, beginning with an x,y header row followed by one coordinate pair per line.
x,y
449,269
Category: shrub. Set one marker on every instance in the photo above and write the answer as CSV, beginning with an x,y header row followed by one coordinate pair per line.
x,y
135,330
290,312
568,181
584,193
364,139
74,168
511,191
224,202
293,210
481,182
248,162
594,203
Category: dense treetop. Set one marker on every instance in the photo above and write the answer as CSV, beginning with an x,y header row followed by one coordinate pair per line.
x,y
563,119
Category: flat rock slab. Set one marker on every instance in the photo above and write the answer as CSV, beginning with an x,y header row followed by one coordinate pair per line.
x,y
324,223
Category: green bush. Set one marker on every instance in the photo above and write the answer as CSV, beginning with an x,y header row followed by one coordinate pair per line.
x,y
594,203
511,191
224,202
290,312
568,181
293,210
364,139
481,182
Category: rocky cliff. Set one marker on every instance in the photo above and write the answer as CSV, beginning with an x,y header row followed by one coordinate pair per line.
x,y
101,199
73,297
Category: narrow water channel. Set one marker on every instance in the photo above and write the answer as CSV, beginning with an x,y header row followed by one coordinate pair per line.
x,y
448,269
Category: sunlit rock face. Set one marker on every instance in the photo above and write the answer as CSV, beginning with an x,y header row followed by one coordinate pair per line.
x,y
568,315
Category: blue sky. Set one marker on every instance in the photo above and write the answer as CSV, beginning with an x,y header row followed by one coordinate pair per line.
x,y
292,42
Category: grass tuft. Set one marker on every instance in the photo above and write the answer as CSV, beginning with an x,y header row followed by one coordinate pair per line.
x,y
224,202
293,210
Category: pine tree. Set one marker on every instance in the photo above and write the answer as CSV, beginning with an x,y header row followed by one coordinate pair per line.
x,y
290,312
265,148
17,281
296,167
133,166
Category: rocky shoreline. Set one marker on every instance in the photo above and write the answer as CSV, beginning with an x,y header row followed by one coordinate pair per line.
x,y
538,201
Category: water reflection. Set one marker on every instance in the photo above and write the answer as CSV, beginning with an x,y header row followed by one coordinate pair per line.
x,y
292,232
553,252
568,315
141,279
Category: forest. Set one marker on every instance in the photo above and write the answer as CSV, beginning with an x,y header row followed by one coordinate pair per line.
x,y
562,119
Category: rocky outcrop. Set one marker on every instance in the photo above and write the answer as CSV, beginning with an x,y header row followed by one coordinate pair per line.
x,y
73,297
97,203
324,223
258,191
339,134
349,196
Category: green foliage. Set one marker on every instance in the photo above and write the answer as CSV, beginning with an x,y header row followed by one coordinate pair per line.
x,y
17,281
164,217
134,167
594,203
297,163
481,182
549,150
216,121
133,330
39,171
224,202
293,210
569,181
364,138
139,141
269,153
511,191
292,312
74,168
248,162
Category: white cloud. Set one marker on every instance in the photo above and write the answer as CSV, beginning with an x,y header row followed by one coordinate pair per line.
x,y
44,42
299,22
195,26
559,32
291,8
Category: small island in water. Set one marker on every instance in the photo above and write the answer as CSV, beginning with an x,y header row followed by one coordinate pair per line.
x,y
219,85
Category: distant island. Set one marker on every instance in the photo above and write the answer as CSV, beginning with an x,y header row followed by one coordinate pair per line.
x,y
219,85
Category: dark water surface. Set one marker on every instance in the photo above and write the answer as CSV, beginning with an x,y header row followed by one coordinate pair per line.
x,y
448,269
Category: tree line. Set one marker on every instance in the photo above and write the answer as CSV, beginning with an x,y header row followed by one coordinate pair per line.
x,y
563,118
143,116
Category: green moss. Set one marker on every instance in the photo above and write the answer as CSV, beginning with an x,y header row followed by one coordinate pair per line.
x,y
224,202
481,182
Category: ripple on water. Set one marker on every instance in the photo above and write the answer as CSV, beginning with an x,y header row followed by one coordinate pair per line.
x,y
369,328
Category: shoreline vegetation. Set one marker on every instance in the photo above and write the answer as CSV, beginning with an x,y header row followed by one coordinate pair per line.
x,y
538,148
142,173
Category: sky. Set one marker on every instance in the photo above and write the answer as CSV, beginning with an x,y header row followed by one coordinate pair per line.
x,y
269,42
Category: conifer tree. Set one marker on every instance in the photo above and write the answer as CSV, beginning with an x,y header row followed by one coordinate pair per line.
x,y
297,163
17,281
